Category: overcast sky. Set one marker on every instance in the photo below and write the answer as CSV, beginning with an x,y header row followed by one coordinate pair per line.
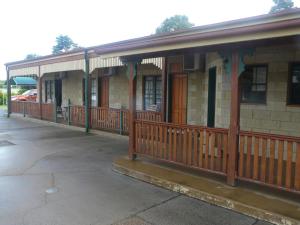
x,y
30,26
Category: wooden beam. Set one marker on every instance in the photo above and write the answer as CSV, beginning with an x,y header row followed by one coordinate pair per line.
x,y
132,70
164,89
8,92
234,122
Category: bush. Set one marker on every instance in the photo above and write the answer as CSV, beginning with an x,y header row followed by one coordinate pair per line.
x,y
3,97
21,91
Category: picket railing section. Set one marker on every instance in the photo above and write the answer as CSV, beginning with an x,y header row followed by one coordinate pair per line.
x,y
47,111
117,119
77,115
149,115
32,109
17,107
272,160
193,146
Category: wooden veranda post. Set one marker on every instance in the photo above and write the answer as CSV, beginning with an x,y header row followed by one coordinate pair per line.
x,y
164,89
8,93
40,93
86,95
234,122
132,73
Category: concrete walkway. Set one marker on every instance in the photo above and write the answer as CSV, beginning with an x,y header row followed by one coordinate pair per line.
x,y
55,176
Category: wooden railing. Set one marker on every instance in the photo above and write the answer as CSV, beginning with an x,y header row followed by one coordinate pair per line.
x,y
272,160
32,109
193,146
149,115
117,119
105,118
17,107
77,115
47,111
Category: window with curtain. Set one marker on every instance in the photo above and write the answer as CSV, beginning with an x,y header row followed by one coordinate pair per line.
x,y
253,83
152,92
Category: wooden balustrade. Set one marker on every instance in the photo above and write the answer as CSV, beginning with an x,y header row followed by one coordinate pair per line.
x,y
105,118
117,119
193,146
32,109
77,115
109,119
17,107
47,111
149,115
272,160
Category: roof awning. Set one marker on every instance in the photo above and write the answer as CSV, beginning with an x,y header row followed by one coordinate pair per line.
x,y
24,81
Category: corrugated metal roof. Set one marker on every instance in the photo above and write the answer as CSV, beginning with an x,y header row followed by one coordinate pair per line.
x,y
24,71
99,62
63,66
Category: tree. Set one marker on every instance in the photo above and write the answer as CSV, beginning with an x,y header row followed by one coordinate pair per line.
x,y
174,23
63,44
281,5
31,56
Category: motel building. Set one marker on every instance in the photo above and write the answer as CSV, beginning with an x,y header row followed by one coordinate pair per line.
x,y
222,98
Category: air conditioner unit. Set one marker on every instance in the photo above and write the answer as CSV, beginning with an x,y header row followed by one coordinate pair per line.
x,y
109,71
194,62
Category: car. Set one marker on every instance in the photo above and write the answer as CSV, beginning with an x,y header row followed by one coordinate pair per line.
x,y
29,95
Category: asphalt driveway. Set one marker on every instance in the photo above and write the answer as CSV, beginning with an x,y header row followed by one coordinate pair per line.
x,y
56,176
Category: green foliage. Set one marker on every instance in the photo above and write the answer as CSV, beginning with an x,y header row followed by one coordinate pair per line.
x,y
281,5
63,44
21,91
31,56
3,98
174,23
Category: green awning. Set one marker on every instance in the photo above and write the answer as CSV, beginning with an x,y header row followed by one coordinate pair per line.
x,y
24,81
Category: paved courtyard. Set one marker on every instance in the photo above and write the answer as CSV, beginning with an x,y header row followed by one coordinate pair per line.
x,y
55,176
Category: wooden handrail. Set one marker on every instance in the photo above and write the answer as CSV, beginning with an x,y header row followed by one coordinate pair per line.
x,y
184,126
270,136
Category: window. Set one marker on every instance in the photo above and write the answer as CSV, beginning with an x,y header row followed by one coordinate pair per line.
x,y
93,93
253,83
49,90
152,92
294,85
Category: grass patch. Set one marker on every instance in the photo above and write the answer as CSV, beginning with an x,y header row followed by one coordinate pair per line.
x,y
3,106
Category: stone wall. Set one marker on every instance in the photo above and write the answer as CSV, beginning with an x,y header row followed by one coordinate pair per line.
x,y
72,88
275,116
198,90
118,89
118,86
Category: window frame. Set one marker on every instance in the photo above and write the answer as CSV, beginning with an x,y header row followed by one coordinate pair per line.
x,y
155,77
289,84
51,90
266,91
